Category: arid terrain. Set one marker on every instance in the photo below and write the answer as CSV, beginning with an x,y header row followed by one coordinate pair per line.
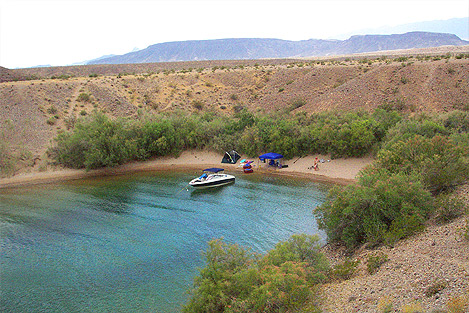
x,y
428,272
36,104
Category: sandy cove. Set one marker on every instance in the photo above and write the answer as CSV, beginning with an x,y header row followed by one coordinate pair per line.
x,y
340,171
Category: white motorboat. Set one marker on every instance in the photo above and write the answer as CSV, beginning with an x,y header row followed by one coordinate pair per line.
x,y
212,177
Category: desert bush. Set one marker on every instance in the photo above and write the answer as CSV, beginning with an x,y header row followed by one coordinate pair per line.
x,y
297,103
435,288
52,110
95,142
448,207
238,280
385,305
344,270
380,206
440,164
199,105
83,97
7,161
456,121
70,121
412,308
51,120
375,261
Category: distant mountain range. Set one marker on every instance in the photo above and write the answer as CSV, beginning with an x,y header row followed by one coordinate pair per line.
x,y
456,26
262,48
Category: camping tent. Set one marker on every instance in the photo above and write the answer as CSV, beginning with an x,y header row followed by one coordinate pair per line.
x,y
273,157
231,157
270,156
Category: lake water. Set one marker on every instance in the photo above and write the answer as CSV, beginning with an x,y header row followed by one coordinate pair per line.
x,y
134,243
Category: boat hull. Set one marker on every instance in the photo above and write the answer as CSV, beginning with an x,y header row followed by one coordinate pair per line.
x,y
213,183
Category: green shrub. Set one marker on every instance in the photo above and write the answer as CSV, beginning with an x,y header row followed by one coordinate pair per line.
x,y
335,133
374,209
83,97
199,105
52,110
375,261
403,227
51,120
7,160
440,164
237,280
407,129
95,142
300,249
449,207
344,270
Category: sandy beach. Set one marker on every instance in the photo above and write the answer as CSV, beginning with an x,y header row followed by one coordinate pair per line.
x,y
340,171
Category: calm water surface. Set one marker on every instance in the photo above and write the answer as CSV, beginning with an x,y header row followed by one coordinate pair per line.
x,y
134,243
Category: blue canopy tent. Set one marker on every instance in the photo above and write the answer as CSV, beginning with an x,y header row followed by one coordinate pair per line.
x,y
274,159
270,156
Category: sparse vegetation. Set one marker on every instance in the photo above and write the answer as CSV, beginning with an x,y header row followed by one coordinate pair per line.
x,y
435,288
7,160
449,207
52,110
344,270
84,97
199,105
51,120
375,261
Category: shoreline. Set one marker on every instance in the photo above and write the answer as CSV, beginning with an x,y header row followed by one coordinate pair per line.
x,y
338,171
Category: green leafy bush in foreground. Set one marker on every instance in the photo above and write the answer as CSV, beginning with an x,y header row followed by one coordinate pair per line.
x,y
421,157
237,280
380,208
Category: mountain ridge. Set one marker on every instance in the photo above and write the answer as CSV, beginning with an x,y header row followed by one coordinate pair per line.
x,y
457,26
263,48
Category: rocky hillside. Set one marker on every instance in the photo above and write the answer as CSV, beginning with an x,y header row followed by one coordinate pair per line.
x,y
34,110
261,48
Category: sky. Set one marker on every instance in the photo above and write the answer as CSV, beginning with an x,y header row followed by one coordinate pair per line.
x,y
63,32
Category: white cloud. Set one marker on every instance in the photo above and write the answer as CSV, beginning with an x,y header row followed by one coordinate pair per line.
x,y
36,32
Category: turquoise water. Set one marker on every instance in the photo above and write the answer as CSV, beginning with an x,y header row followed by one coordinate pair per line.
x,y
134,243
